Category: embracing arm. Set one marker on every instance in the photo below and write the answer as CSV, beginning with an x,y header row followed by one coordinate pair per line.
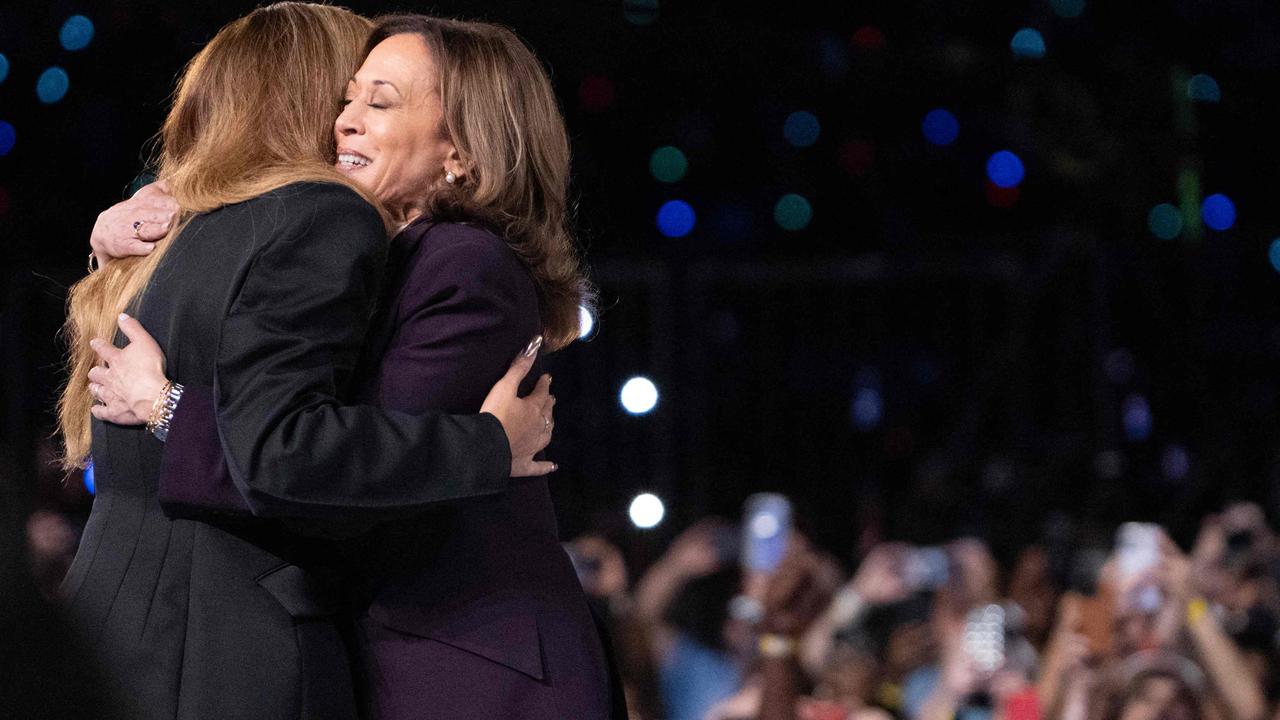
x,y
288,340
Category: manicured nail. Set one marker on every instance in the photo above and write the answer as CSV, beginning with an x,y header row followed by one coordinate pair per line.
x,y
124,316
533,347
94,343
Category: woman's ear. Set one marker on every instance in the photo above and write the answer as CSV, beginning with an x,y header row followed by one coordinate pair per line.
x,y
453,163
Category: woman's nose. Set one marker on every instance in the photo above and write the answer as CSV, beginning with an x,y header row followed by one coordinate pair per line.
x,y
348,122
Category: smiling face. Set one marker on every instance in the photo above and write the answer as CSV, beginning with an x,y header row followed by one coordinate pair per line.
x,y
391,135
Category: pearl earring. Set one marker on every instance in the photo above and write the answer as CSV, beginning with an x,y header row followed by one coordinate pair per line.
x,y
450,178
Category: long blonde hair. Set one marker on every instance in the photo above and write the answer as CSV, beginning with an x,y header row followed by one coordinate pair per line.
x,y
501,113
253,111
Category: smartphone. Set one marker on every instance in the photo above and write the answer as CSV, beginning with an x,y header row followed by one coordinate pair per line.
x,y
766,525
1137,548
926,568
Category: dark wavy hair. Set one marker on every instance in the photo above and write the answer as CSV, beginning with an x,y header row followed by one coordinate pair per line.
x,y
501,113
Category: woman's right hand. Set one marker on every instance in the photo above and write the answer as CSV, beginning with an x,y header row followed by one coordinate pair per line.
x,y
528,421
114,236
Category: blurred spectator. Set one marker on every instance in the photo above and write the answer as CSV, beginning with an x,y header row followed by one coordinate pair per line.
x,y
699,649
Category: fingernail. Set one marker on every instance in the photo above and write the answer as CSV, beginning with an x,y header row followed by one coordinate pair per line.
x,y
555,467
533,347
94,343
124,316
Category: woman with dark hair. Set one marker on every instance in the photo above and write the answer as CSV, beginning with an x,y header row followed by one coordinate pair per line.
x,y
471,609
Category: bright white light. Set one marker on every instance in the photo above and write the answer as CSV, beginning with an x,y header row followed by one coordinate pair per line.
x,y
639,395
586,323
765,526
646,511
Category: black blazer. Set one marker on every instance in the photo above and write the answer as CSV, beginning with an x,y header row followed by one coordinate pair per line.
x,y
267,302
471,609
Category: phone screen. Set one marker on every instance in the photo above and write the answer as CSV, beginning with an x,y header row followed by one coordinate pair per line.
x,y
765,528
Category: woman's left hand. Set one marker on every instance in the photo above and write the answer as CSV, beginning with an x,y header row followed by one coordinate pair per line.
x,y
129,379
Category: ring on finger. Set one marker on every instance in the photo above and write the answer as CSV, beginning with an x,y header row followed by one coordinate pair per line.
x,y
137,224
546,424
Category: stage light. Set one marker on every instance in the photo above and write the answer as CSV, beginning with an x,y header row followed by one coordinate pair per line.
x,y
801,128
1203,88
52,85
640,12
90,483
676,218
867,408
792,212
1273,254
1005,169
586,323
646,511
940,127
1165,221
1028,43
4,67
639,395
1175,462
869,38
857,156
76,33
1136,418
8,136
1218,212
668,164
595,93
1069,9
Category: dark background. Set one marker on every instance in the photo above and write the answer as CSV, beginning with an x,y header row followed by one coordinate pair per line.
x,y
931,355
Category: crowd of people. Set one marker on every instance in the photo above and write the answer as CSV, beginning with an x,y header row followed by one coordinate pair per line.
x,y
1140,629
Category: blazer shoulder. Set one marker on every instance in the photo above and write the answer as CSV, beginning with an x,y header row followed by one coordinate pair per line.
x,y
472,260
470,247
321,212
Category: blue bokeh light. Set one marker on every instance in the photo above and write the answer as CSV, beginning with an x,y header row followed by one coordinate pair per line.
x,y
940,127
52,85
1203,88
676,218
8,136
1028,43
801,128
1218,212
4,67
1137,418
867,408
1273,254
89,482
1165,221
76,33
1005,169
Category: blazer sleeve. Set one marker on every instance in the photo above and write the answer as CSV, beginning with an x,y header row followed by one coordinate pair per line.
x,y
288,344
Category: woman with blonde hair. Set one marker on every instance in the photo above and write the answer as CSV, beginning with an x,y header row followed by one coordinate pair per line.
x,y
263,293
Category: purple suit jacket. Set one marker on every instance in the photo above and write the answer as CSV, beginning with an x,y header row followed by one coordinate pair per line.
x,y
472,608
